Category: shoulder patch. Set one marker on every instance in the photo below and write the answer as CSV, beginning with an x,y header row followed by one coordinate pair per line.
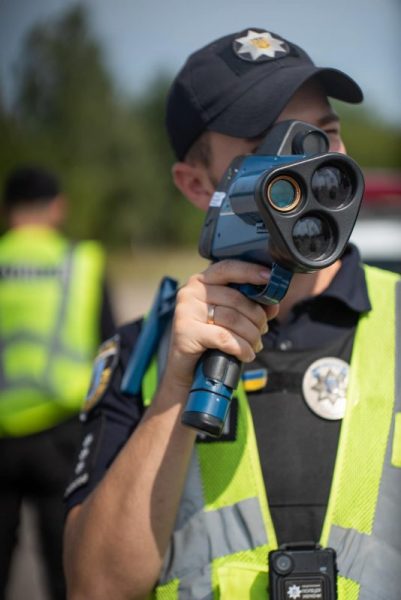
x,y
103,368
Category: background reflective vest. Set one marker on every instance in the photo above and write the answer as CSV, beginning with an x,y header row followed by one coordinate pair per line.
x,y
50,295
224,531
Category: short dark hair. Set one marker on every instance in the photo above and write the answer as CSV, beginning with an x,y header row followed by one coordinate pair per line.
x,y
29,185
200,151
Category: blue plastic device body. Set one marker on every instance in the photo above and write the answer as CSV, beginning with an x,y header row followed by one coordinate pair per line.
x,y
149,338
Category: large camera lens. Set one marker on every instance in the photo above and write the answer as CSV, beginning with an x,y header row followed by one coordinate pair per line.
x,y
332,186
313,237
283,193
283,563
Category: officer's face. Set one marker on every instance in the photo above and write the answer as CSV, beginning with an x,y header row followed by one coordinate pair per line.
x,y
309,104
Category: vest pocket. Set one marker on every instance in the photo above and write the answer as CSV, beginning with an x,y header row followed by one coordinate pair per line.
x,y
237,581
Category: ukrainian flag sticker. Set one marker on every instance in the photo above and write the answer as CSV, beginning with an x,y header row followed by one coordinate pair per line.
x,y
254,380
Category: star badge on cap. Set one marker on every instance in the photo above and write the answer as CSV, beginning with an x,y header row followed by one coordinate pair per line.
x,y
259,46
324,387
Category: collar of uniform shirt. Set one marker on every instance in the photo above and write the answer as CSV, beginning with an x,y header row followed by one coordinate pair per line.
x,y
349,284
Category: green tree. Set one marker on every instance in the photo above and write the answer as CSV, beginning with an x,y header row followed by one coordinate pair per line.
x,y
65,89
66,106
172,217
372,142
113,154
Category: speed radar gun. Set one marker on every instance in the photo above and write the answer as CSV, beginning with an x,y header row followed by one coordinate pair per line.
x,y
291,206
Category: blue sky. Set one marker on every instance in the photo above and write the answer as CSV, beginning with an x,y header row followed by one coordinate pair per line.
x,y
143,37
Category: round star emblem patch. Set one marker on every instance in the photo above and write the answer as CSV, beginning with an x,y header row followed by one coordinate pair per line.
x,y
324,387
103,367
259,46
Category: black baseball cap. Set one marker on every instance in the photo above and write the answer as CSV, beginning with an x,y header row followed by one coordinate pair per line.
x,y
239,84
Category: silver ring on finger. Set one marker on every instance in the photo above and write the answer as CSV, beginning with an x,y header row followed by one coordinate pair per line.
x,y
211,308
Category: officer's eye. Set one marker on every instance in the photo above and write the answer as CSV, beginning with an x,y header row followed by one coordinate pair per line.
x,y
331,132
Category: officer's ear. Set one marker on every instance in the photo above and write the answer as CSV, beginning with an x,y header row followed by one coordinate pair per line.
x,y
193,181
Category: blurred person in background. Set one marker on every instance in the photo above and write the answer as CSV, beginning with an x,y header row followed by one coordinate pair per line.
x,y
55,310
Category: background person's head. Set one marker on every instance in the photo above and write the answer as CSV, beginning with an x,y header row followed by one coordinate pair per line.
x,y
230,93
32,195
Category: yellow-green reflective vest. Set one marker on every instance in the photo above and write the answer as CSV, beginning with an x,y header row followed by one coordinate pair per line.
x,y
50,294
224,531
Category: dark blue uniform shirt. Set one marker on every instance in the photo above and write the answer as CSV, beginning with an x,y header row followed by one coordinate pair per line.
x,y
297,448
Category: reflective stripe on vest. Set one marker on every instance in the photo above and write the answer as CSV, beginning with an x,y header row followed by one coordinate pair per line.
x,y
224,531
49,327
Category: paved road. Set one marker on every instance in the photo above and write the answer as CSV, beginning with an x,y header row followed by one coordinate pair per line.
x,y
27,580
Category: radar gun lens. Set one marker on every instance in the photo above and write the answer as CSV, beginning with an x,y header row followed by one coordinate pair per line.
x,y
313,237
284,193
332,187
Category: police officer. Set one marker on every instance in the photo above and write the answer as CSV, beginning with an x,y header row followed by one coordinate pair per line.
x,y
54,312
155,509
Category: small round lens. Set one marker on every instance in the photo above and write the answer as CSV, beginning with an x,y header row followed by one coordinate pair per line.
x,y
284,193
332,186
283,563
313,237
310,142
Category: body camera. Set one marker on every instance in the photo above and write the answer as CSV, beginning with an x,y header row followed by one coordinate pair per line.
x,y
302,572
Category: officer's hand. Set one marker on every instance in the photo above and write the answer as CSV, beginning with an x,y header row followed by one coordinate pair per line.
x,y
239,323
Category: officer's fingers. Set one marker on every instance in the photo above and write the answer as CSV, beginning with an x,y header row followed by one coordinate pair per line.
x,y
240,325
235,271
230,298
196,296
221,338
271,311
192,334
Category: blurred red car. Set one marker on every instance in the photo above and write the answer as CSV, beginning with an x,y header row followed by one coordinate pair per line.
x,y
377,232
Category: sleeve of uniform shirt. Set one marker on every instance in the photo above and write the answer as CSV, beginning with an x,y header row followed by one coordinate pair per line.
x,y
109,422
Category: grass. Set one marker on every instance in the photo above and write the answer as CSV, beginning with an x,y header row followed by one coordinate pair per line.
x,y
148,266
134,275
